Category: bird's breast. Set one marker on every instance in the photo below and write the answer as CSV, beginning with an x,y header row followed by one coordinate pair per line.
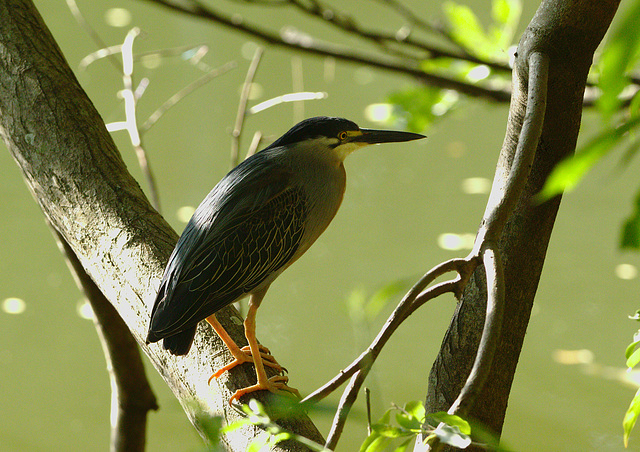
x,y
324,190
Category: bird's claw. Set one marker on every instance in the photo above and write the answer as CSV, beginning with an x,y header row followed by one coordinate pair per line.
x,y
277,385
267,359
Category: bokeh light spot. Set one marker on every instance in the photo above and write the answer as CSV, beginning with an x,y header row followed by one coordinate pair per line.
x,y
13,305
117,17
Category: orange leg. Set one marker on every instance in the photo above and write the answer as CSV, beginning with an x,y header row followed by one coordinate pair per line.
x,y
241,355
275,384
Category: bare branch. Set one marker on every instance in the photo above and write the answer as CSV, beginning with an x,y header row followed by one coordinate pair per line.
x,y
307,44
346,402
184,92
73,168
242,107
417,296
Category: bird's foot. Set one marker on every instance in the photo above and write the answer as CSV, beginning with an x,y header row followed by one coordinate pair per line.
x,y
267,358
276,385
245,357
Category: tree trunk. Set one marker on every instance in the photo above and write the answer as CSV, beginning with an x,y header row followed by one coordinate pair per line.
x,y
568,32
77,176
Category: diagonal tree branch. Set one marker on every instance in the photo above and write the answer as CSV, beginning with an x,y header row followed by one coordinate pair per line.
x,y
80,181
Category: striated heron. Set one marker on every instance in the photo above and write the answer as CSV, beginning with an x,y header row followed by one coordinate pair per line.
x,y
258,220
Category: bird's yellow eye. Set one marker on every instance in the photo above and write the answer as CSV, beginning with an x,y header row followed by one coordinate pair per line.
x,y
342,136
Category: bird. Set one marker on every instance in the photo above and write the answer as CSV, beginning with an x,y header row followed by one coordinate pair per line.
x,y
256,222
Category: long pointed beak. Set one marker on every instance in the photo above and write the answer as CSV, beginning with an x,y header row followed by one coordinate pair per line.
x,y
372,136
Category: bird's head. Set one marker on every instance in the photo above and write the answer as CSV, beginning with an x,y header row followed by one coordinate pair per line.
x,y
338,135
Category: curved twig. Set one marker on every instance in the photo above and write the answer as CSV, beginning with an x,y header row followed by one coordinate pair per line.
x,y
347,400
501,203
396,318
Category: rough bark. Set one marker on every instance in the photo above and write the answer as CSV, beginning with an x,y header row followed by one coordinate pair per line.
x,y
568,32
77,176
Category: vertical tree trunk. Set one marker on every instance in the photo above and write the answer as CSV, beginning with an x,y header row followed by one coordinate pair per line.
x,y
568,32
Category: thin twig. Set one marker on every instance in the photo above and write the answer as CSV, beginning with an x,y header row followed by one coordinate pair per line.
x,y
255,144
309,45
95,37
367,398
346,402
297,97
297,82
242,107
401,312
130,102
184,92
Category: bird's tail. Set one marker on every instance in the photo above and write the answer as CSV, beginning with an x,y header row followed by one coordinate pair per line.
x,y
177,344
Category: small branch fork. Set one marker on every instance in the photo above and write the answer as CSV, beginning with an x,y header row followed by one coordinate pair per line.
x,y
503,198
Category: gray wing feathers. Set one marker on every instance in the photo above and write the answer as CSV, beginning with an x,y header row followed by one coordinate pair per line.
x,y
249,227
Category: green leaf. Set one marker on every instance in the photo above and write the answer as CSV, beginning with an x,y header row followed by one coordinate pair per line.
x,y
569,172
466,28
407,421
416,409
630,348
452,420
386,417
388,431
404,446
634,359
630,417
377,444
506,15
416,108
620,53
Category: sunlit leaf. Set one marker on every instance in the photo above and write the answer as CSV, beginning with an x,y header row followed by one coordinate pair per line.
x,y
417,108
416,409
466,28
452,435
377,444
630,417
634,358
569,172
452,420
630,348
619,55
506,15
